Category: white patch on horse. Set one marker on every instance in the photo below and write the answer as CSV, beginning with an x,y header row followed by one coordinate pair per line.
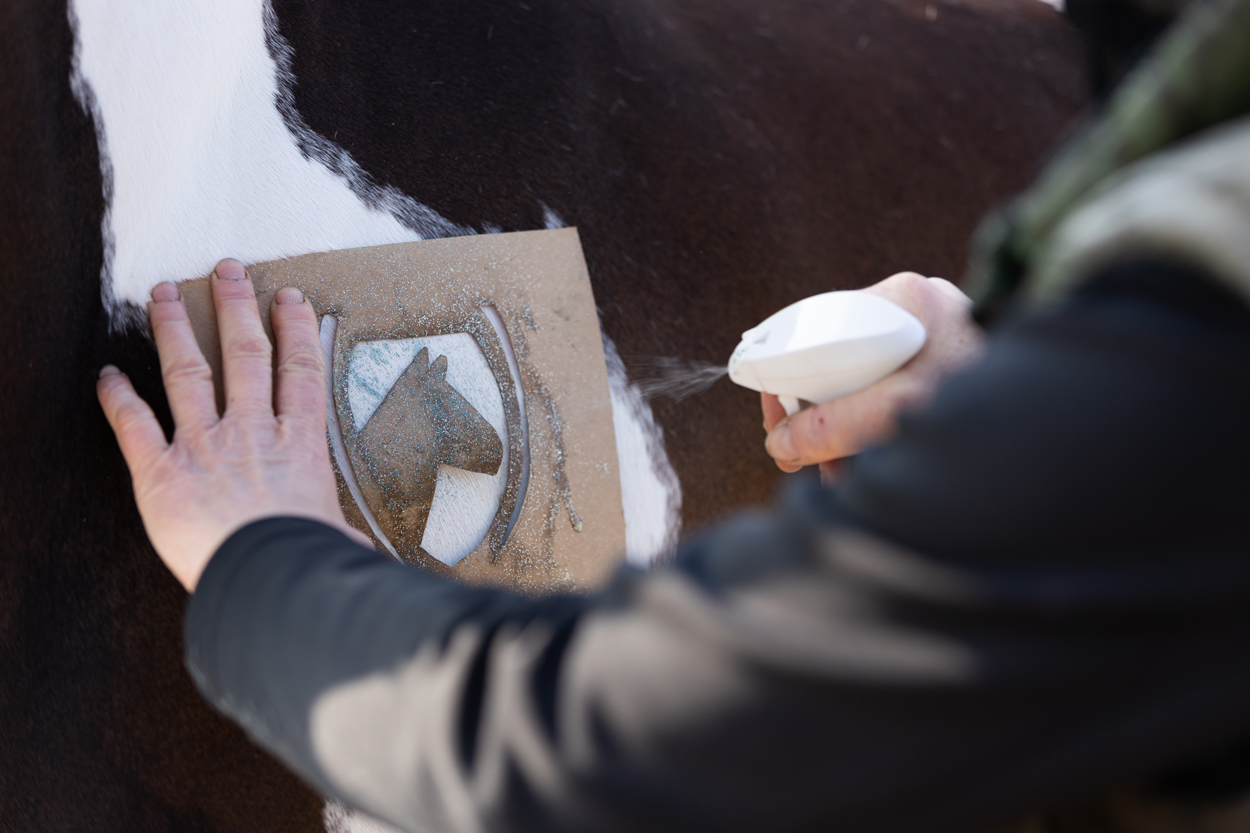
x,y
650,490
204,153
551,220
341,819
465,502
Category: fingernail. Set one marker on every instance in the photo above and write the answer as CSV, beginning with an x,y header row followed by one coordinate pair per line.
x,y
230,270
109,370
290,295
164,292
780,444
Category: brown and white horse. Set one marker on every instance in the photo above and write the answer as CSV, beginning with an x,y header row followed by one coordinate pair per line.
x,y
721,159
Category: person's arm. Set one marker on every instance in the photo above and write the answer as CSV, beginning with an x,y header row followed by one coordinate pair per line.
x,y
1037,590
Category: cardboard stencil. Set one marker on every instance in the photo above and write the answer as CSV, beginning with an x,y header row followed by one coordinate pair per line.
x,y
470,422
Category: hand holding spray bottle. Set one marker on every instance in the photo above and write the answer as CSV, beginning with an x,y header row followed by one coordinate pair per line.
x,y
825,347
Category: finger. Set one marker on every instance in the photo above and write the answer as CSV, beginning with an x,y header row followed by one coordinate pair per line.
x,y
950,290
778,443
246,354
138,433
301,368
811,436
900,277
187,376
773,410
788,468
907,289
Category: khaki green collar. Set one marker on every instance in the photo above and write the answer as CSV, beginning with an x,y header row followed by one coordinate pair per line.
x,y
1197,76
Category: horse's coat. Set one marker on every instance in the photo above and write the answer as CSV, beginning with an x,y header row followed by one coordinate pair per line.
x,y
721,159
204,153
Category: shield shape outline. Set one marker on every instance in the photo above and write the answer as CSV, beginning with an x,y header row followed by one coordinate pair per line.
x,y
479,327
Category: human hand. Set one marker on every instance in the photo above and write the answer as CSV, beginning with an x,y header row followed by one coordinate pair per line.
x,y
265,457
824,433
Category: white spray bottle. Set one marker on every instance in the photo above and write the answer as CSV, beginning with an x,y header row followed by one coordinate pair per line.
x,y
825,347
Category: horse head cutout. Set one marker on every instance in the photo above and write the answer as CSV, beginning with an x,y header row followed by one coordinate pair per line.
x,y
421,424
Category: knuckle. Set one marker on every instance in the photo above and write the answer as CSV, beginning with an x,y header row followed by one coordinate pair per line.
x,y
187,370
128,416
303,359
250,346
910,282
910,278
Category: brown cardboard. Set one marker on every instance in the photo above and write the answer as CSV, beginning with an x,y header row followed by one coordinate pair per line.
x,y
570,531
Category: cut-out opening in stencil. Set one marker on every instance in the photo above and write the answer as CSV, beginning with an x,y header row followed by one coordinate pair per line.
x,y
465,503
509,352
430,414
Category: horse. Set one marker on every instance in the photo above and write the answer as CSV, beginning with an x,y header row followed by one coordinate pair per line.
x,y
720,158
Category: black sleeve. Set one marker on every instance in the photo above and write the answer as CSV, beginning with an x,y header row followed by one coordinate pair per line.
x,y
1039,589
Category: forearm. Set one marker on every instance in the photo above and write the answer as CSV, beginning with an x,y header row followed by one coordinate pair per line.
x,y
793,673
290,612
